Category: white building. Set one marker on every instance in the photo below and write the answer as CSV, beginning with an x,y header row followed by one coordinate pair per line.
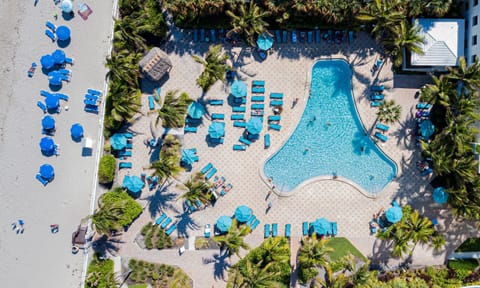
x,y
472,29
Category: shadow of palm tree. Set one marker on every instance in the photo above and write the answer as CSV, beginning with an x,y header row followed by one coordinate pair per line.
x,y
160,201
185,221
221,265
105,244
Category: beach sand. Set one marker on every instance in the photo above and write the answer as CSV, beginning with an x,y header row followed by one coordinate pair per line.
x,y
38,258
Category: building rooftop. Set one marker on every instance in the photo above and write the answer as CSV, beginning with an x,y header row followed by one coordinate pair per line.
x,y
155,64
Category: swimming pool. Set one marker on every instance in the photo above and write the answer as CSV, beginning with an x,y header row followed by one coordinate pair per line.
x,y
330,139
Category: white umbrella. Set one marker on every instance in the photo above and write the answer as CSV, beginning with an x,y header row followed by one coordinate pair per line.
x,y
67,6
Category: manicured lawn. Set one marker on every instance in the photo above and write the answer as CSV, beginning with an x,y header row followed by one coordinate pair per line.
x,y
341,247
470,245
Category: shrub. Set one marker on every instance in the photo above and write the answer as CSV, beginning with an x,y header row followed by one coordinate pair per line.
x,y
100,274
119,198
106,169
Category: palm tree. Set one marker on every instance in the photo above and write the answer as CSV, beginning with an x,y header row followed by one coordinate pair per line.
x,y
233,240
439,8
165,168
385,14
389,112
439,93
106,217
248,22
174,109
403,37
468,75
313,254
253,275
123,65
214,67
123,102
196,189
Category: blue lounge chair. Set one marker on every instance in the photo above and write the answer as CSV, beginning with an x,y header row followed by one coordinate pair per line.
x,y
294,36
334,228
266,229
423,106
127,135
129,146
287,230
276,103
257,113
91,109
251,220
218,116
41,179
317,36
237,117
225,189
278,36
62,96
257,106
255,224
216,102
160,219
376,103
42,106
240,101
284,36
206,168
216,141
238,147
244,141
50,35
65,72
377,88
310,37
70,61
91,97
202,35
276,95
274,118
211,173
258,90
151,102
198,204
51,26
165,224
427,172
305,228
239,124
239,109
190,129
94,92
195,35
171,229
260,83
125,153
266,140
274,229
90,102
258,98
382,127
45,93
190,207
376,97
350,37
213,37
274,126
125,165
380,136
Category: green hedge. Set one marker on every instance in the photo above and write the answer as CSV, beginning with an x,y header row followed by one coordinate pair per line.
x,y
100,274
131,209
106,169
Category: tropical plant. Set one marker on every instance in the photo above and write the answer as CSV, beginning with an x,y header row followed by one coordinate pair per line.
x,y
389,112
232,241
385,14
106,169
100,274
174,109
249,21
165,168
404,38
252,275
214,67
196,189
466,75
312,254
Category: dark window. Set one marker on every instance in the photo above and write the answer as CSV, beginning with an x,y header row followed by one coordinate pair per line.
x,y
466,5
475,2
474,40
475,21
474,57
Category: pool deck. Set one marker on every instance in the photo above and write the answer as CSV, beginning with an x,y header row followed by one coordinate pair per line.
x,y
286,70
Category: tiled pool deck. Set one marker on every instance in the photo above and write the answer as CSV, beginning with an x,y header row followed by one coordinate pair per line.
x,y
286,70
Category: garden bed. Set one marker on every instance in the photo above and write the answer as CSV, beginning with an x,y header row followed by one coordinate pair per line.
x,y
157,275
155,237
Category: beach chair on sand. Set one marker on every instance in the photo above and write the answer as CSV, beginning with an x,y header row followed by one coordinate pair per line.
x,y
266,230
151,103
258,106
42,106
258,90
377,88
377,97
317,36
195,35
51,26
90,102
266,140
238,147
171,229
190,129
376,103
276,103
239,124
310,37
160,219
62,96
284,36
50,35
70,61
218,116
237,117
94,92
126,153
276,127
380,136
260,83
216,102
244,141
274,118
258,98
91,109
305,228
211,173
41,179
125,165
274,229
423,106
255,224
206,168
276,95
190,207
278,36
239,109
287,230
45,93
382,127
165,224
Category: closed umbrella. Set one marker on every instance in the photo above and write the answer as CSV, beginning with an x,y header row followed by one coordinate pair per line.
x,y
58,56
394,214
52,101
427,128
76,131
188,156
55,78
118,141
238,89
254,125
243,213
196,110
264,41
67,6
48,122
47,172
440,196
63,33
321,226
47,144
47,61
223,223
216,130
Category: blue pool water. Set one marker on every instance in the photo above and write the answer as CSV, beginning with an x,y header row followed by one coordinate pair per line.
x,y
330,139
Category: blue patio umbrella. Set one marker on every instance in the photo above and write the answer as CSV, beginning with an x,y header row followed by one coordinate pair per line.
x,y
321,226
66,6
76,131
394,214
118,141
48,122
440,196
63,33
58,56
223,223
254,125
188,156
243,213
55,78
264,41
133,184
47,61
47,172
216,129
52,101
238,89
427,128
196,110
47,144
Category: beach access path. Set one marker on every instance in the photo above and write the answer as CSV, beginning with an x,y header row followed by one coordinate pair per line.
x,y
38,258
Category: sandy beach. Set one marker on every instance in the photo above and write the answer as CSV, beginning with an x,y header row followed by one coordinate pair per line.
x,y
38,258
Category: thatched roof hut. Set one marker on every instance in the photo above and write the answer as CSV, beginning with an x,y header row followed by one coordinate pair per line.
x,y
155,64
